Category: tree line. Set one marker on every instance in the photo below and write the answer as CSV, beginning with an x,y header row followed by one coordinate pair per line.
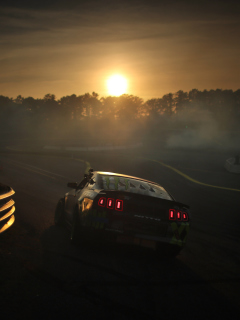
x,y
224,105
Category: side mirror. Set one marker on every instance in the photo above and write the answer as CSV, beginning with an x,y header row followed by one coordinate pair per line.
x,y
91,181
72,185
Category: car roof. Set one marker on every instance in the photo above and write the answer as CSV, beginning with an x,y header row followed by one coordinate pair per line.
x,y
124,176
158,191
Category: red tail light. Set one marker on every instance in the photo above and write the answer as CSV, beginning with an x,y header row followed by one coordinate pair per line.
x,y
185,216
102,202
109,202
119,205
172,214
179,215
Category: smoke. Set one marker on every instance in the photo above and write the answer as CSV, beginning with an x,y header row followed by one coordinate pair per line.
x,y
194,128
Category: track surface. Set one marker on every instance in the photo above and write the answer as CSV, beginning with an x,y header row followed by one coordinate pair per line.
x,y
43,274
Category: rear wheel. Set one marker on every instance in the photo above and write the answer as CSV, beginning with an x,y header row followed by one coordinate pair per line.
x,y
59,213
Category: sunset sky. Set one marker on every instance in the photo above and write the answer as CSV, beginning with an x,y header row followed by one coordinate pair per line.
x,y
73,47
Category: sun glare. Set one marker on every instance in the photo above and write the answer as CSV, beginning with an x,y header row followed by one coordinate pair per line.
x,y
116,85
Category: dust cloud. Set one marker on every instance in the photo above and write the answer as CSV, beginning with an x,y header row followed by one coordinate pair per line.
x,y
195,129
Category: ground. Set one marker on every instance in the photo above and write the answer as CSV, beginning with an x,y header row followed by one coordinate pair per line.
x,y
42,272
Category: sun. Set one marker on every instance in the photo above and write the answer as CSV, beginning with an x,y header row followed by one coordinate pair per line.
x,y
116,85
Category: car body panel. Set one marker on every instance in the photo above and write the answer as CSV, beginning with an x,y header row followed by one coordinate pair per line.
x,y
144,219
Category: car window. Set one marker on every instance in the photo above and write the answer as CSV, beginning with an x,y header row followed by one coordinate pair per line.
x,y
108,182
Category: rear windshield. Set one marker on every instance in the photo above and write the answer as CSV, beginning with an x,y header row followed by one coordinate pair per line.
x,y
108,182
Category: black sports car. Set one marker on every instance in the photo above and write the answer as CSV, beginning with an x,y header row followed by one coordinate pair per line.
x,y
7,208
125,209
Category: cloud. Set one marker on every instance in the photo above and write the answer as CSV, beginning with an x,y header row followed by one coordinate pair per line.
x,y
30,23
168,43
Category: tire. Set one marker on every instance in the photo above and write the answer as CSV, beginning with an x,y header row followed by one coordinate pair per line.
x,y
76,229
59,213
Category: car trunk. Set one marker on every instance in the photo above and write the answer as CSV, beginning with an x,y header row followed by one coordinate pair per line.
x,y
135,214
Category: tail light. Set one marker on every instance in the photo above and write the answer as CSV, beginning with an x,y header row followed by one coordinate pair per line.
x,y
178,215
185,216
111,203
172,214
119,205
102,202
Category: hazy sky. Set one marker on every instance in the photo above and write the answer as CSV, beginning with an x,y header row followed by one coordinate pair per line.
x,y
66,47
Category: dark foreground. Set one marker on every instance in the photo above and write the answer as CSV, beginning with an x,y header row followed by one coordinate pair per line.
x,y
43,276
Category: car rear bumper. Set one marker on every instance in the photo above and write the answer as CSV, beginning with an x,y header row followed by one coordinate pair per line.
x,y
175,236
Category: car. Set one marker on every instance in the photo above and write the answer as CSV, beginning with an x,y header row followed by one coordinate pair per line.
x,y
124,209
7,207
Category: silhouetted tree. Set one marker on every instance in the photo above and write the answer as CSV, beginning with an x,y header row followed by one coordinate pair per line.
x,y
236,95
193,95
168,104
108,107
69,111
6,109
128,107
181,100
91,104
71,107
19,99
5,102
